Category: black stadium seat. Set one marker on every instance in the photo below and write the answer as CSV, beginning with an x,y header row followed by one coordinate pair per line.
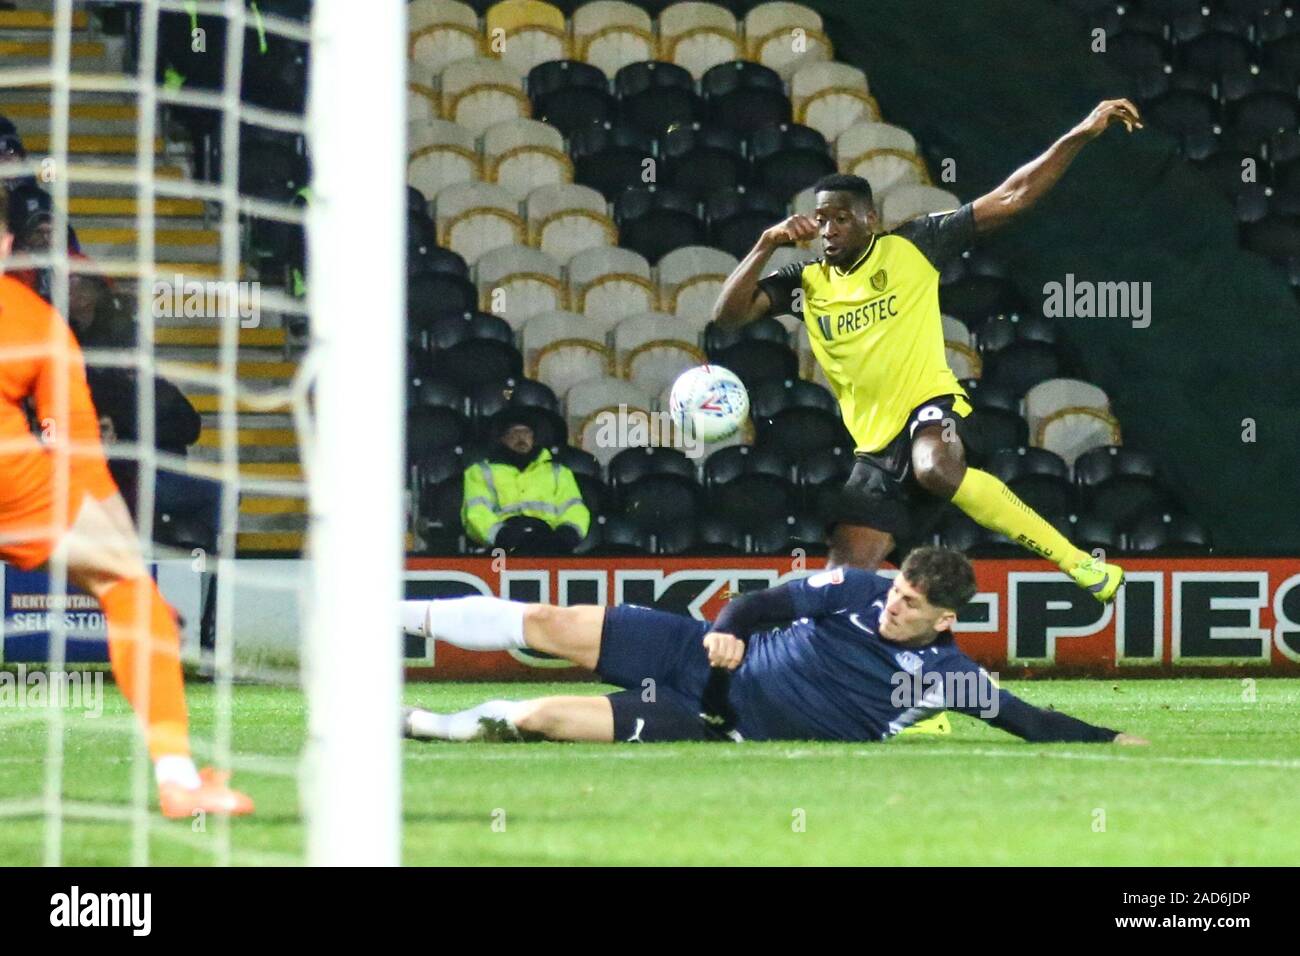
x,y
756,360
610,157
432,427
1022,365
737,217
783,534
570,95
717,535
744,96
654,487
430,295
788,158
702,159
717,337
440,506
674,539
988,429
438,393
654,95
617,535
1091,533
1118,484
1168,533
656,220
1037,476
745,484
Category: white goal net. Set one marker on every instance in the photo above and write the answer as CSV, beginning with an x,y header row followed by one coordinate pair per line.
x,y
223,224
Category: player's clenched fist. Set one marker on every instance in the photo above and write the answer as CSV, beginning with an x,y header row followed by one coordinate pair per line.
x,y
795,229
725,650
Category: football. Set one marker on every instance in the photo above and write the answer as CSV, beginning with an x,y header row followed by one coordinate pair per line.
x,y
709,402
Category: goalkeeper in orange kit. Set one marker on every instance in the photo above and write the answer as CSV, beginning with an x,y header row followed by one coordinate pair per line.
x,y
57,499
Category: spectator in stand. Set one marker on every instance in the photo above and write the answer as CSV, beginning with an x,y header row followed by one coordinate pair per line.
x,y
520,499
31,220
12,151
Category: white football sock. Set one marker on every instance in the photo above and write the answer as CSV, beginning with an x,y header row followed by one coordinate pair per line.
x,y
476,623
176,769
465,725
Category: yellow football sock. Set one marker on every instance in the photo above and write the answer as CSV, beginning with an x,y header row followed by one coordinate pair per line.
x,y
995,506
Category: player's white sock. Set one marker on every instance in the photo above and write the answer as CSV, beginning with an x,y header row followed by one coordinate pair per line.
x,y
465,725
476,623
176,769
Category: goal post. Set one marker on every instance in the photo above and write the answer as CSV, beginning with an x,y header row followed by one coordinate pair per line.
x,y
356,299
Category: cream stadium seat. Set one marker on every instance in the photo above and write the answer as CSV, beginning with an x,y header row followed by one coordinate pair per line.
x,y
698,36
517,282
610,282
440,154
566,219
1069,417
1049,399
653,348
1072,432
421,103
690,278
522,154
563,348
473,218
482,91
905,202
831,97
611,34
883,155
785,37
959,344
604,413
526,33
440,32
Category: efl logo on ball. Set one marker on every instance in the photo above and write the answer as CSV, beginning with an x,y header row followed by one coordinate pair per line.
x,y
709,402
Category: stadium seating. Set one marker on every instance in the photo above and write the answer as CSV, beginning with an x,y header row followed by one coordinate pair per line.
x,y
563,349
610,282
655,96
612,35
518,282
523,154
603,270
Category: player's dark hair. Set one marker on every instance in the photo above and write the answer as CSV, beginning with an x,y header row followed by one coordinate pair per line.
x,y
943,575
844,183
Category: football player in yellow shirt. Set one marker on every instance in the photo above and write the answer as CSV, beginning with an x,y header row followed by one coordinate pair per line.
x,y
871,307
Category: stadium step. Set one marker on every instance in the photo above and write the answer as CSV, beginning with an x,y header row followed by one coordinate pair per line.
x,y
39,20
268,505
89,144
32,50
254,541
209,403
121,242
283,438
126,207
208,337
261,371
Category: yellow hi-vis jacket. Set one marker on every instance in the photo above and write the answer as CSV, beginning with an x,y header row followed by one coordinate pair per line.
x,y
495,491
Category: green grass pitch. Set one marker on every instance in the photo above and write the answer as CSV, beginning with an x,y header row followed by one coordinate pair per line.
x,y
1217,786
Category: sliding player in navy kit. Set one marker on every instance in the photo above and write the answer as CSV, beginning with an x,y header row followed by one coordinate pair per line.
x,y
840,655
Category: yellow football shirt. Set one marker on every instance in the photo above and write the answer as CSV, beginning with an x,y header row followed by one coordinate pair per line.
x,y
875,327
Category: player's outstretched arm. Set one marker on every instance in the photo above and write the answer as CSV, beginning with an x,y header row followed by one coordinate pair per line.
x,y
1031,182
1036,725
741,299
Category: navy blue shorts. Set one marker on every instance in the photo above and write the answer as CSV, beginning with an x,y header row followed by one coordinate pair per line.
x,y
660,659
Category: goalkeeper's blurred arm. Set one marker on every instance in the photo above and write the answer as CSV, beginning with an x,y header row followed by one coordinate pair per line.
x,y
1031,182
